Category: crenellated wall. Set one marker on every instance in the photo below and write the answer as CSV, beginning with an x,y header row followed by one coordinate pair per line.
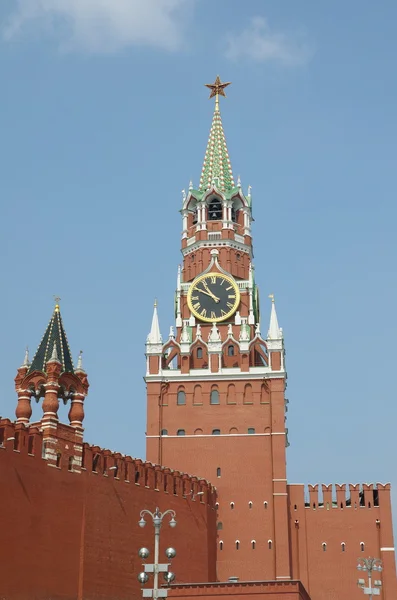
x,y
331,526
75,534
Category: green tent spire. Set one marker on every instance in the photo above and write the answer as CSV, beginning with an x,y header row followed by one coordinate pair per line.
x,y
54,342
217,169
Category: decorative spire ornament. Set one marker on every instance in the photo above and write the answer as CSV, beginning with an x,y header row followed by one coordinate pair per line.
x,y
80,361
26,362
275,332
154,336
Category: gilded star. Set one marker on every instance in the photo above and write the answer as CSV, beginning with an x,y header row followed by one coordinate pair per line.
x,y
217,88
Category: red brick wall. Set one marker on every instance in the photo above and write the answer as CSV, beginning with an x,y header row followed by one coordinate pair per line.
x,y
333,573
75,535
270,590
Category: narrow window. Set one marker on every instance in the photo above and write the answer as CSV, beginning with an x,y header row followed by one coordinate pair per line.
x,y
59,456
230,350
238,256
199,353
195,216
165,483
70,465
324,545
216,504
269,544
126,471
343,546
181,397
216,432
95,461
115,470
16,441
253,544
237,545
220,545
234,218
30,444
362,546
265,504
295,507
219,526
250,504
214,398
137,475
232,505
164,432
218,472
180,432
1,437
251,430
105,466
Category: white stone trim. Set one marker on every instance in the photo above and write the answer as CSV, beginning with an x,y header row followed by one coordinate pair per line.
x,y
206,375
387,549
280,494
210,435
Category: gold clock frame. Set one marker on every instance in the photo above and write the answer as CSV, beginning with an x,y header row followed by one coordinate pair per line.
x,y
206,276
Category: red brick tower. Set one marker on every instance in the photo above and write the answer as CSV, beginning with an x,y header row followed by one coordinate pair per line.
x,y
216,406
52,376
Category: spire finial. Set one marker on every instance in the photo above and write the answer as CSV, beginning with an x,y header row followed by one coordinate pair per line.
x,y
275,332
57,300
271,296
154,336
54,355
80,361
26,362
217,89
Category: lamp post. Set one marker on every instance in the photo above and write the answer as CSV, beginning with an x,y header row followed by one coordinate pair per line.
x,y
156,568
370,565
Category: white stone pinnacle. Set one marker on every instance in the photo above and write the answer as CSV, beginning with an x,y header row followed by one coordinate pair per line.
x,y
275,332
26,362
154,336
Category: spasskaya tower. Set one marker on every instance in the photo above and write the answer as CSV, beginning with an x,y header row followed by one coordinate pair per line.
x,y
215,387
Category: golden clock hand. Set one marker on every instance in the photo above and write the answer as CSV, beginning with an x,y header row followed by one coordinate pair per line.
x,y
210,294
205,284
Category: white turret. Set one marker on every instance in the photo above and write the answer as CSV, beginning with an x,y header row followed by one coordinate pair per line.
x,y
154,341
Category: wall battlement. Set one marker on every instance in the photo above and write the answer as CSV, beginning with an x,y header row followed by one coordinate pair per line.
x,y
96,461
351,495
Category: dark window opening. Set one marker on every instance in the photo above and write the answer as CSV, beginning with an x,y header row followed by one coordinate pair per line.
x,y
238,256
230,350
199,353
164,432
195,216
253,544
295,507
251,430
376,497
216,432
58,461
137,475
237,545
215,210
70,465
126,471
324,547
95,461
180,432
234,215
218,472
214,398
219,526
165,483
105,466
1,437
269,544
220,545
16,441
30,444
181,398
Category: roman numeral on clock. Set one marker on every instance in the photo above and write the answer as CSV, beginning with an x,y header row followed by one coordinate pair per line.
x,y
229,304
196,306
230,287
203,312
213,315
213,279
195,297
231,295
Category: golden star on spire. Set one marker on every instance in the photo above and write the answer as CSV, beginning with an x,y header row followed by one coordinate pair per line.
x,y
217,88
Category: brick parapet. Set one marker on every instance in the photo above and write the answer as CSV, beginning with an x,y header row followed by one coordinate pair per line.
x,y
97,461
293,590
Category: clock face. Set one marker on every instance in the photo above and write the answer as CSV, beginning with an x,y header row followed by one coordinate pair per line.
x,y
213,297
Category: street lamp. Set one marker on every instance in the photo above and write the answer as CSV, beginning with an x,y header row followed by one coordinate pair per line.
x,y
156,568
370,565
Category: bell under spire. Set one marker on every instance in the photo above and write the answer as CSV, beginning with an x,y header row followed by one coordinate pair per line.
x,y
217,169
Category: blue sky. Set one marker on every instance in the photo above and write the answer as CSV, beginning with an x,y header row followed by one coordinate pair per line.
x,y
104,118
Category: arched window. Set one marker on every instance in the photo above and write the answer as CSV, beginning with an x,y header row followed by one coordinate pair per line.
x,y
216,432
164,432
181,397
250,504
214,397
197,395
180,432
195,216
251,430
220,545
324,545
233,214
269,544
216,504
218,472
343,546
199,353
230,350
237,544
253,544
215,210
219,526
362,546
232,505
265,504
198,431
248,396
